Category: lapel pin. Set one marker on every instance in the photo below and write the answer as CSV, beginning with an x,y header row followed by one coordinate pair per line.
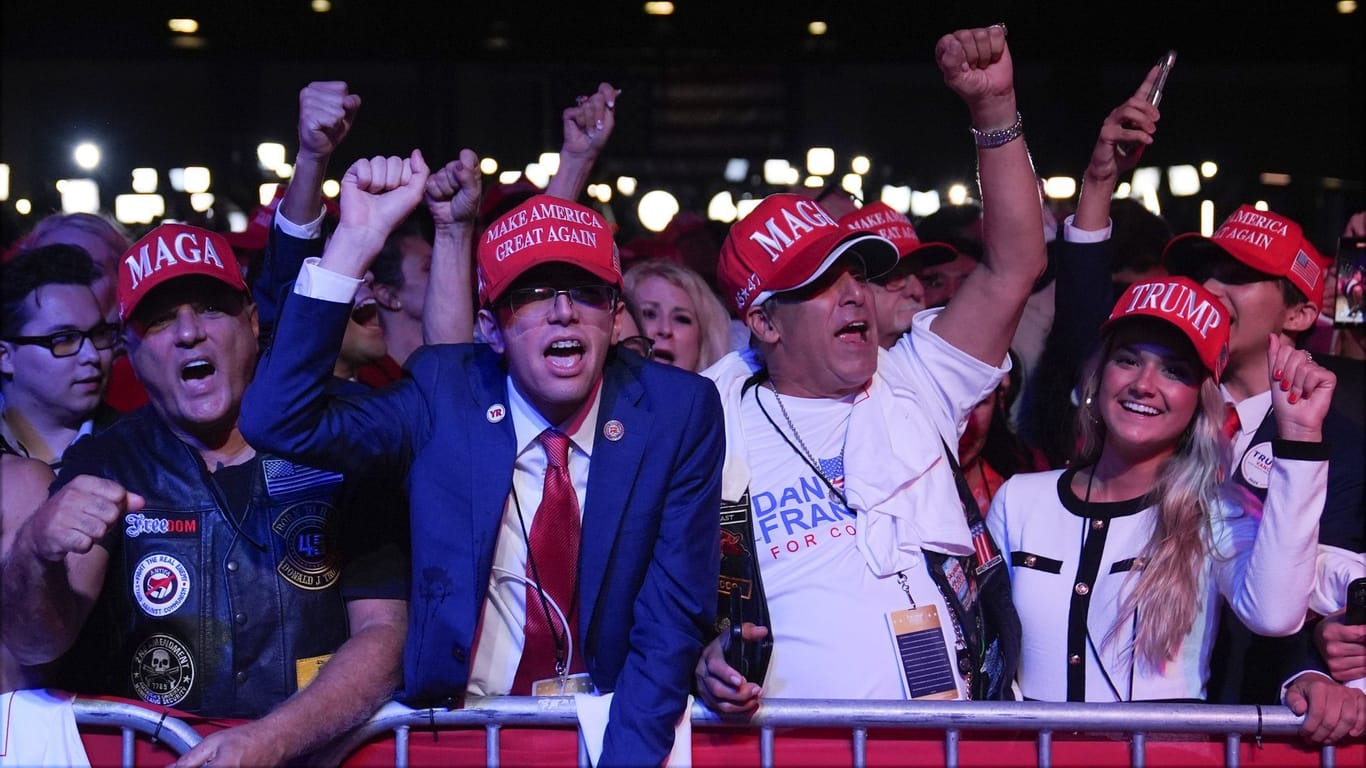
x,y
613,430
495,413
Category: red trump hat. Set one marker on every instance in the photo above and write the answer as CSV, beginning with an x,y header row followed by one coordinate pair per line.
x,y
1184,303
543,230
171,251
884,220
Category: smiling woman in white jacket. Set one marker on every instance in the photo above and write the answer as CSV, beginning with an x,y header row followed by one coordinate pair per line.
x,y
1117,564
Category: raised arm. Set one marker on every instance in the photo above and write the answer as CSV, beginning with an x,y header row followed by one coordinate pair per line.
x,y
587,126
982,316
452,195
1133,122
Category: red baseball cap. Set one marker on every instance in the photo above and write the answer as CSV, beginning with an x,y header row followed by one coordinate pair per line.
x,y
171,251
542,230
884,220
1184,303
787,242
1262,240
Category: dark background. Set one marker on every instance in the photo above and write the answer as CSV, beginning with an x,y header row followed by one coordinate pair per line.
x,y
1257,87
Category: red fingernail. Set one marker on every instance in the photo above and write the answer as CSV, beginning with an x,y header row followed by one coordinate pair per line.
x,y
1277,374
1285,384
1293,397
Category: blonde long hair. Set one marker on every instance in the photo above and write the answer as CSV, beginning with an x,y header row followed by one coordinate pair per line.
x,y
712,321
1167,593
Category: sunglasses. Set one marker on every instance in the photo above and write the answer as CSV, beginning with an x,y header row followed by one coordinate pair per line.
x,y
537,301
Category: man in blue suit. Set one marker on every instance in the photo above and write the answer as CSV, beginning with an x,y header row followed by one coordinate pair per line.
x,y
469,422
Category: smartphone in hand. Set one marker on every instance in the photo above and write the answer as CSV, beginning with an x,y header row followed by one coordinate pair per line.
x,y
1164,68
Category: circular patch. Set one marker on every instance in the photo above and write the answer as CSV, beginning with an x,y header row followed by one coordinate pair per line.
x,y
614,430
161,584
310,545
162,671
495,413
1256,466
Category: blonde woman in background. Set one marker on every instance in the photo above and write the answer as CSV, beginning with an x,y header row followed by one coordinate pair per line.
x,y
678,312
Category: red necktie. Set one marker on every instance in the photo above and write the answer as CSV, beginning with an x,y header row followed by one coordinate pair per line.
x,y
553,563
1231,422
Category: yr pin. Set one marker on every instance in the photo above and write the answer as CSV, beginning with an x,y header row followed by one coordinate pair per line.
x,y
613,430
495,413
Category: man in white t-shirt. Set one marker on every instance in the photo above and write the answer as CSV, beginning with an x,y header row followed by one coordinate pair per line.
x,y
873,578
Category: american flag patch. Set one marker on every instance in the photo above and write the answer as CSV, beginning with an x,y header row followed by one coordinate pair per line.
x,y
285,477
1306,269
834,470
983,549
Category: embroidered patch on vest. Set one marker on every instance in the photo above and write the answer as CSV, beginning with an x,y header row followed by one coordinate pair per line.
x,y
285,477
311,559
162,671
161,584
160,524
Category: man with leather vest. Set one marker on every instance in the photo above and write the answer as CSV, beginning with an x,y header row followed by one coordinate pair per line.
x,y
875,579
186,569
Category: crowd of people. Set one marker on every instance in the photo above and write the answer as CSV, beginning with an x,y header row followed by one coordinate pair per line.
x,y
438,442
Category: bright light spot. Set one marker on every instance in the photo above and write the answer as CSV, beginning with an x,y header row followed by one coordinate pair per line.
x,y
813,182
270,154
266,192
1124,190
182,26
4,181
721,207
600,192
60,185
860,165
626,185
201,201
23,207
736,169
331,188
284,170
1144,186
743,208
776,171
177,177
509,177
924,203
1209,168
1206,218
958,194
196,179
321,6
659,8
488,166
550,161
80,196
139,209
537,174
237,221
656,209
1183,180
1276,179
1347,6
87,155
1060,187
852,183
817,28
897,197
1261,205
144,180
820,161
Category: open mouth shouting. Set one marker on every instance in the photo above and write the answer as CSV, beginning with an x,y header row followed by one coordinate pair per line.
x,y
565,355
366,314
853,333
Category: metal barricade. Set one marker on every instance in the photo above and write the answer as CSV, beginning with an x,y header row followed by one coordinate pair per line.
x,y
131,720
1044,719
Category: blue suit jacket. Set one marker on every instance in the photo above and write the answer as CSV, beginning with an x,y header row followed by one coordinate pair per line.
x,y
649,556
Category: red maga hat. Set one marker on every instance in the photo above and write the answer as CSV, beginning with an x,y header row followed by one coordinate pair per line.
x,y
884,220
1262,240
543,230
171,251
1184,303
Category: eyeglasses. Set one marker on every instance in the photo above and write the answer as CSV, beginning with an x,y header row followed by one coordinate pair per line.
x,y
68,343
536,302
641,345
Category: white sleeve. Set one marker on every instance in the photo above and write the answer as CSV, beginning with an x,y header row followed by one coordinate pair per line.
x,y
1266,569
316,282
1072,234
310,231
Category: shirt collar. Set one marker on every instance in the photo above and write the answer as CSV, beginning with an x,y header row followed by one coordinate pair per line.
x,y
528,423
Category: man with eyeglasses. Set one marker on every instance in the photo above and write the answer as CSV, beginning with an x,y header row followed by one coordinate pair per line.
x,y
179,564
56,352
563,492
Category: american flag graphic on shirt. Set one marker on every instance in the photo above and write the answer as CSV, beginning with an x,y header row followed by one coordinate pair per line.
x,y
833,469
285,477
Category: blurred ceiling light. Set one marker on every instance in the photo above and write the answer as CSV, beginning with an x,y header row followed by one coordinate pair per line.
x,y
1209,168
80,196
1275,179
144,180
626,185
852,183
1060,187
270,154
321,6
509,177
1144,187
659,9
860,164
196,179
23,207
924,203
237,221
550,161
177,179
86,155
1261,205
721,207
958,194
139,208
736,169
817,28
1206,218
820,161
1124,190
331,188
266,192
814,182
4,182
488,166
1346,7
743,208
201,201
1183,180
775,171
600,192
284,170
537,174
182,26
899,198
656,209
